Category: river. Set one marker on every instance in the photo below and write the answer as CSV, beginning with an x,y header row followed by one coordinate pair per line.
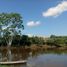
x,y
39,58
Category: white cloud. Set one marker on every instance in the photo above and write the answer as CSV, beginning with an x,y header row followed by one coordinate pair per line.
x,y
32,23
55,11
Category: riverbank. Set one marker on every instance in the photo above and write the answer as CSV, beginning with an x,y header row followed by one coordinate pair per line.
x,y
34,47
44,47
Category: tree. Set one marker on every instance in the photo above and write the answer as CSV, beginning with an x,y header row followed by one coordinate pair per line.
x,y
60,42
52,36
10,24
25,41
16,40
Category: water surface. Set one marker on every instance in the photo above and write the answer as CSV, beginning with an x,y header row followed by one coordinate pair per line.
x,y
39,58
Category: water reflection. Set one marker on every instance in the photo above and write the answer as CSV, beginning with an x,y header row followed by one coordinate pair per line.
x,y
48,58
17,65
15,54
35,58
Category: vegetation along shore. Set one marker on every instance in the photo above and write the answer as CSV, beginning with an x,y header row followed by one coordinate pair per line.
x,y
36,42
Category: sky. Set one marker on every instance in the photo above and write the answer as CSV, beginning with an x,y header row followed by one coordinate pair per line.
x,y
40,17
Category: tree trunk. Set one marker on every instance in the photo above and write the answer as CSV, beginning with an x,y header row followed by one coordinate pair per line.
x,y
9,49
9,54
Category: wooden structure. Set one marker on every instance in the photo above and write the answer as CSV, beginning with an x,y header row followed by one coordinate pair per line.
x,y
13,62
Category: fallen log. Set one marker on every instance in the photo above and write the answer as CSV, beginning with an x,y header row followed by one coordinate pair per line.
x,y
14,62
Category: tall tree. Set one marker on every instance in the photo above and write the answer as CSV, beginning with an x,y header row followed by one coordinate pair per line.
x,y
10,25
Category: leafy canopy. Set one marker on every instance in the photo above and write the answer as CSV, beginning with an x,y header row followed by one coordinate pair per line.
x,y
10,24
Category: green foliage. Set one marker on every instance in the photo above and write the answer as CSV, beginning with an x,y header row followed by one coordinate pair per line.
x,y
50,42
24,40
58,40
37,40
10,25
16,40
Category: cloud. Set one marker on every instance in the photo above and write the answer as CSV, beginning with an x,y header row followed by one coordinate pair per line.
x,y
57,10
33,24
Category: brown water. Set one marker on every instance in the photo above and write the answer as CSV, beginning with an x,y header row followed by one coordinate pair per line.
x,y
39,58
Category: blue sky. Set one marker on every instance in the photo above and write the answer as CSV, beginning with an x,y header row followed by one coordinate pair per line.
x,y
40,17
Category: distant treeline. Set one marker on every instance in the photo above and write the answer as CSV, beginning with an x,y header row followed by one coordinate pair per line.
x,y
24,40
59,41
